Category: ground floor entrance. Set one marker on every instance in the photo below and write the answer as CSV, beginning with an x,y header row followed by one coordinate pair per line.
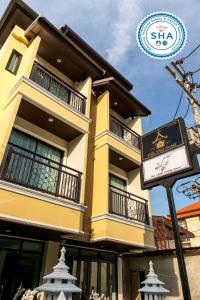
x,y
94,270
20,264
23,262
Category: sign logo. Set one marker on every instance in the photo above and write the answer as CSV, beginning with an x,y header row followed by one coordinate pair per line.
x,y
165,153
161,35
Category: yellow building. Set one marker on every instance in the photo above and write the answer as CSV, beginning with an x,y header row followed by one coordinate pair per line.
x,y
70,158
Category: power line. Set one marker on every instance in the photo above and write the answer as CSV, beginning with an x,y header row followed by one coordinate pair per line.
x,y
193,72
187,109
179,103
184,58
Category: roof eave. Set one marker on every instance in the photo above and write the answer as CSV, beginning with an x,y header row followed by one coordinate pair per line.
x,y
11,6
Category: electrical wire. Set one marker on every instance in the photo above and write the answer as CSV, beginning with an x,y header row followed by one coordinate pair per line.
x,y
184,58
193,72
179,103
187,109
182,69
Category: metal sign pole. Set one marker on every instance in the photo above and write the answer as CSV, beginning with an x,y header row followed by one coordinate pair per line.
x,y
179,249
167,157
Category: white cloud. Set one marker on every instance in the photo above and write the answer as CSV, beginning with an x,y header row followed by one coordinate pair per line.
x,y
123,29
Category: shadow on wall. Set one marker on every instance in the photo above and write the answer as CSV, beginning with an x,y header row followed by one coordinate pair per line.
x,y
136,267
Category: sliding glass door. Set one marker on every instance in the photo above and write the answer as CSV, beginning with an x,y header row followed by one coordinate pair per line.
x,y
37,166
94,270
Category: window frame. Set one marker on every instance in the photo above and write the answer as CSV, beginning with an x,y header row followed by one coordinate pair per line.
x,y
10,59
125,180
99,259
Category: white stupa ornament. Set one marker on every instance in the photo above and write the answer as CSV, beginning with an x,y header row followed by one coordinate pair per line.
x,y
153,288
60,283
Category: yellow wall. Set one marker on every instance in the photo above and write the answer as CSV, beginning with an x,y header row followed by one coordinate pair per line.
x,y
45,101
101,181
119,147
120,231
118,171
85,88
102,116
29,208
9,107
50,257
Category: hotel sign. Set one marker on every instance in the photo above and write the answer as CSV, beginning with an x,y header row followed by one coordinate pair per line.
x,y
165,153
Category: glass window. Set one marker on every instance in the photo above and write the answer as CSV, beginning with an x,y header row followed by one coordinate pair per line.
x,y
108,256
182,223
32,246
74,268
104,279
71,252
9,244
84,279
113,283
89,254
20,263
14,62
117,182
94,272
36,168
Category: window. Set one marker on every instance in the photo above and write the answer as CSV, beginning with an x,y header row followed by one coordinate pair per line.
x,y
38,167
117,182
94,270
182,223
14,62
20,263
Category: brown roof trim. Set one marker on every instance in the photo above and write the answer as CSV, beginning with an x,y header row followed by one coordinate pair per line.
x,y
111,81
76,38
43,22
13,5
68,33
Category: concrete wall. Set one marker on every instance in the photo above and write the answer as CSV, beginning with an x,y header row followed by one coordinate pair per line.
x,y
166,267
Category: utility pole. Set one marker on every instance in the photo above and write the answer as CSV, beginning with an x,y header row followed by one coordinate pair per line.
x,y
183,79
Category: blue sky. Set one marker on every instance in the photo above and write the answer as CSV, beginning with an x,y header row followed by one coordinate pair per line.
x,y
109,26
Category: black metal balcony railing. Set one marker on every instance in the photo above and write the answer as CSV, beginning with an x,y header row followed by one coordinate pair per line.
x,y
128,205
35,171
124,132
58,88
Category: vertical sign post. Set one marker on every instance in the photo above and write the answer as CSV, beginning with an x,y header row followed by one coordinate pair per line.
x,y
166,157
179,249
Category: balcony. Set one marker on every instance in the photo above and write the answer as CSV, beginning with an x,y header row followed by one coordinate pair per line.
x,y
58,88
128,205
34,171
125,133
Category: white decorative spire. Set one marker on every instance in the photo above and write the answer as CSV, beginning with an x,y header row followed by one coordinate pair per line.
x,y
151,266
61,296
152,284
60,280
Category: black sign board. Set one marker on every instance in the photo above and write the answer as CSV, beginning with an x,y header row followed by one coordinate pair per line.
x,y
162,139
166,153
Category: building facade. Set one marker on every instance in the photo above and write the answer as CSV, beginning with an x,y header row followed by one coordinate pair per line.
x,y
166,267
70,158
164,236
189,218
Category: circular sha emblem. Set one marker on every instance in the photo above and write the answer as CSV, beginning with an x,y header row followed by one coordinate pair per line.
x,y
161,35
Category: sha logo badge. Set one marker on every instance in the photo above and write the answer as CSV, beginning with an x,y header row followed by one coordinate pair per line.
x,y
161,35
